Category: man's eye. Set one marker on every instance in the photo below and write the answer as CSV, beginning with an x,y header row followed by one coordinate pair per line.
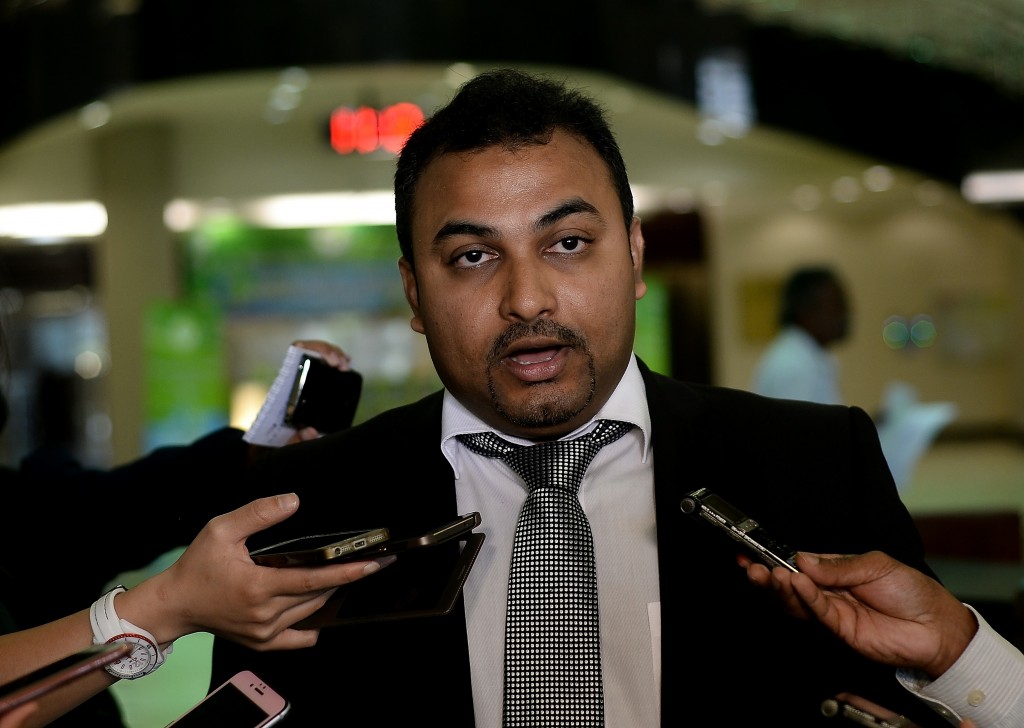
x,y
571,244
471,258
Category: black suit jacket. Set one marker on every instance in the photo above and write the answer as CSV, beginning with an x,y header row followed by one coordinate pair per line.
x,y
814,475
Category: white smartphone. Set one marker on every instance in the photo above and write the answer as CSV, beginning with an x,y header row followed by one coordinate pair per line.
x,y
244,701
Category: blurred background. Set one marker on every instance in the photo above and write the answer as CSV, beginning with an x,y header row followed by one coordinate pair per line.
x,y
186,187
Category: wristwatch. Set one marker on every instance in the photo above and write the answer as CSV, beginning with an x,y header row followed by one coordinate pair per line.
x,y
146,655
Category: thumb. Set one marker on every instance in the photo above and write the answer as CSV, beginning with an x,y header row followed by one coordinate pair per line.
x,y
260,514
833,570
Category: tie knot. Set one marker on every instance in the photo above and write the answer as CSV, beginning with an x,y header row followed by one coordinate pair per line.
x,y
559,464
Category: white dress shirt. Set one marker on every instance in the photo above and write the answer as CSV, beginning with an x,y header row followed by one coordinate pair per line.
x,y
617,494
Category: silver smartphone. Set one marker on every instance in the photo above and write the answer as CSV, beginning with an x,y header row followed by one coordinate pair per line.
x,y
714,509
243,701
320,548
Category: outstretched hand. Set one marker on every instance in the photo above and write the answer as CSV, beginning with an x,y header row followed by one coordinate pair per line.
x,y
884,609
215,586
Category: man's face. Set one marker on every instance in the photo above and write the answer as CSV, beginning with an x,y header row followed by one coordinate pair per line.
x,y
526,283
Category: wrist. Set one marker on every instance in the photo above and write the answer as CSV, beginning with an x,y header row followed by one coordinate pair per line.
x,y
108,627
962,627
143,606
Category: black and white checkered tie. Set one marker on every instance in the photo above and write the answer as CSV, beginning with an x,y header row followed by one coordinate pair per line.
x,y
552,637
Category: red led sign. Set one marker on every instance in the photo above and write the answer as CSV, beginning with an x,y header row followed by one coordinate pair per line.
x,y
365,130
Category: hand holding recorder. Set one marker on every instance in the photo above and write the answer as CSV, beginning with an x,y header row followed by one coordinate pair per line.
x,y
884,609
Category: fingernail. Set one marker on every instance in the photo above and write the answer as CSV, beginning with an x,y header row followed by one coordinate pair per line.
x,y
378,564
810,558
288,501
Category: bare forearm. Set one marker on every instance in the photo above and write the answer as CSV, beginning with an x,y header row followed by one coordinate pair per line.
x,y
28,650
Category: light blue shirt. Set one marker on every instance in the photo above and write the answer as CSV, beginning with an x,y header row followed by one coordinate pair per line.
x,y
795,366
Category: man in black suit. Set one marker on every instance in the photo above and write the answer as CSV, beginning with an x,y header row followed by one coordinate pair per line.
x,y
522,263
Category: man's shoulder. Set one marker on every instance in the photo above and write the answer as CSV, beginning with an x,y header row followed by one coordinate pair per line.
x,y
412,428
416,417
695,400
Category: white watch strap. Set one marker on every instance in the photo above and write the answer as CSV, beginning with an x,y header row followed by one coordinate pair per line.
x,y
108,627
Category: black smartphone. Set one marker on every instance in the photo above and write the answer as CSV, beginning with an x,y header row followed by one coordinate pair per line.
x,y
243,701
425,581
322,396
320,548
61,672
461,525
714,509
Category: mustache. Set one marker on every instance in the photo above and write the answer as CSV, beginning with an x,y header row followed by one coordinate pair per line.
x,y
542,327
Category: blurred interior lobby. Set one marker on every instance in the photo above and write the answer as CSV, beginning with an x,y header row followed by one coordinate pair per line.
x,y
187,187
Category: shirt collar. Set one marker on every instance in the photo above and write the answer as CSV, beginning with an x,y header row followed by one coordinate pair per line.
x,y
628,403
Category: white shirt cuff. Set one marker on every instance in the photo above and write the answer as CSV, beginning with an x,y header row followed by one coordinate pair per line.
x,y
986,683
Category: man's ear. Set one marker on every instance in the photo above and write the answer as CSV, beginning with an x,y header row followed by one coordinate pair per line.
x,y
636,254
412,293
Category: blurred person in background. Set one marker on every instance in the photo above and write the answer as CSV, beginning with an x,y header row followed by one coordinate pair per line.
x,y
814,315
800,363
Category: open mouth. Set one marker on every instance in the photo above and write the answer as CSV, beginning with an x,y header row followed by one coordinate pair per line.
x,y
529,357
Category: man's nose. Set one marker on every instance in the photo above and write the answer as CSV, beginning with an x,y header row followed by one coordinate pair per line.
x,y
530,290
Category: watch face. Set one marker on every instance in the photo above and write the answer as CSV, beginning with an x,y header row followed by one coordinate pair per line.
x,y
141,661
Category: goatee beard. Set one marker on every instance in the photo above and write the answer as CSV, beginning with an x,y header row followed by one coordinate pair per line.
x,y
550,413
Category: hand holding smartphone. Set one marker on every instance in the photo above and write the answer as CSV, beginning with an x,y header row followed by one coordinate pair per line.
x,y
307,392
322,396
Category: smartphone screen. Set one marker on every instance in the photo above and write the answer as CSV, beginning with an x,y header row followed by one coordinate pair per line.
x,y
244,701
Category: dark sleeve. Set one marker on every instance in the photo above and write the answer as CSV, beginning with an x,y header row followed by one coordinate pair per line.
x,y
85,526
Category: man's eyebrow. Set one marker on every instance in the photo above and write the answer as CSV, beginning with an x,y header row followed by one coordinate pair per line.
x,y
463,227
456,228
570,207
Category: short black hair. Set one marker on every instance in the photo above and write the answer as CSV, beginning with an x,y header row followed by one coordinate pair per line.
x,y
510,108
800,290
